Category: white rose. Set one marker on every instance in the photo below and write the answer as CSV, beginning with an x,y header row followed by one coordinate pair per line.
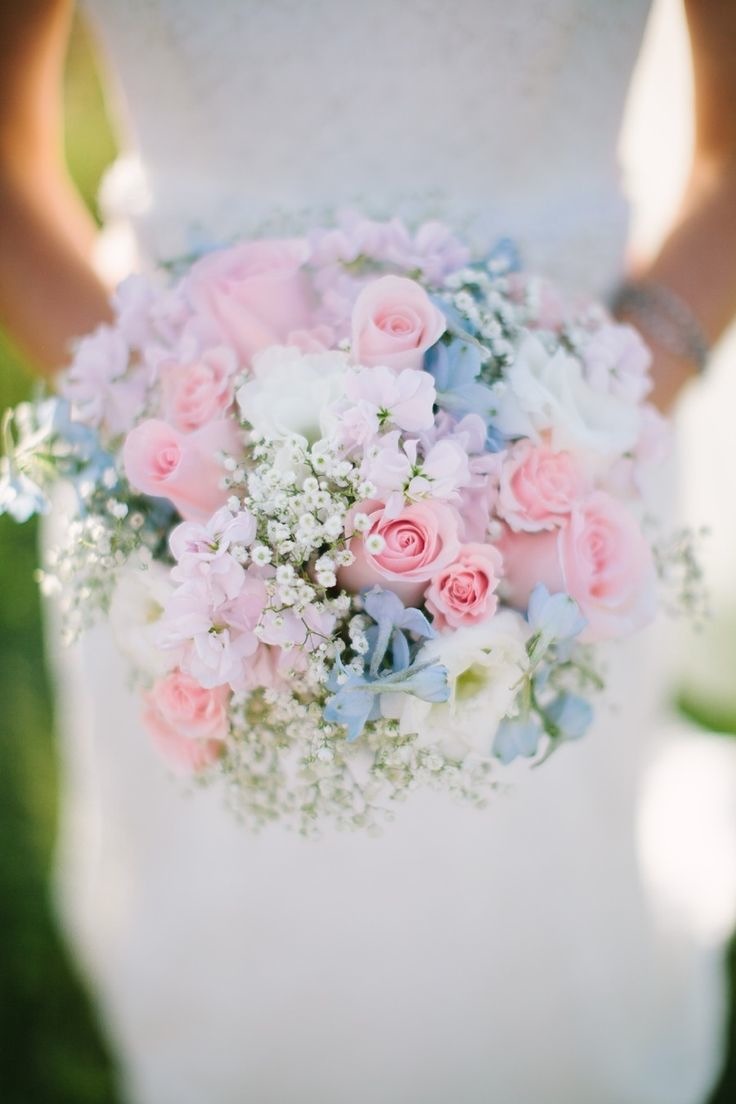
x,y
546,392
138,600
484,663
290,391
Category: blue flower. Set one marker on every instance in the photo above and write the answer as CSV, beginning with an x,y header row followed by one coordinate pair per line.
x,y
353,705
455,320
456,368
554,619
570,715
504,257
517,737
20,496
392,622
495,440
357,697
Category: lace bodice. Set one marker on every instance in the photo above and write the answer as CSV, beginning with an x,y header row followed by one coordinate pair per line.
x,y
260,114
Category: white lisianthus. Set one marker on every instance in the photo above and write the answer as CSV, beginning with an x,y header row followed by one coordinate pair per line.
x,y
290,391
141,592
548,393
485,663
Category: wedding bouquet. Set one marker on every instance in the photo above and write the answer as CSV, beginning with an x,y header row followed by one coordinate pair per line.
x,y
359,508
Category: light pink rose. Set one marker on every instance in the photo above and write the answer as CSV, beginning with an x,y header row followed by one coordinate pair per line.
x,y
599,557
411,547
187,723
199,391
162,462
394,323
463,592
538,487
255,294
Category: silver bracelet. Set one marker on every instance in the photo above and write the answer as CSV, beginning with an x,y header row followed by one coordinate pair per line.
x,y
664,317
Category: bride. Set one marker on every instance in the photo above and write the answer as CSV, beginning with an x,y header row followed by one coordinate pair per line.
x,y
518,955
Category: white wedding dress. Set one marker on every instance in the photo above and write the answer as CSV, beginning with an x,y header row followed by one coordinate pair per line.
x,y
522,955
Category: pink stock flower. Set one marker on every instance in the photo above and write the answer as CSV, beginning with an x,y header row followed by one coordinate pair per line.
x,y
200,390
132,302
538,487
463,592
600,558
477,500
197,547
388,464
354,237
394,323
402,552
213,630
394,466
106,390
268,666
380,397
433,249
187,722
444,469
255,293
436,252
164,463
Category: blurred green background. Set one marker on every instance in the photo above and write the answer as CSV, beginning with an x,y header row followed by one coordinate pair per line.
x,y
52,1050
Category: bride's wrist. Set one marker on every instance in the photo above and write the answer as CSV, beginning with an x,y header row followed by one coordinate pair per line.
x,y
664,319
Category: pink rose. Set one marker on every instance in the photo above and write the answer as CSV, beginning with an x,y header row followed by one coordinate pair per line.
x,y
463,592
599,557
255,294
187,723
164,463
538,487
404,551
394,323
200,391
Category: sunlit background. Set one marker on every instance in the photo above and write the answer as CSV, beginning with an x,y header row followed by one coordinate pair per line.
x,y
51,1048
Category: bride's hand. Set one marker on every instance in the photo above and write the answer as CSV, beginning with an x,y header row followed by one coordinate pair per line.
x,y
696,265
49,292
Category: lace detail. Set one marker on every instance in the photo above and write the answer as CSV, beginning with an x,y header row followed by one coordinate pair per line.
x,y
501,118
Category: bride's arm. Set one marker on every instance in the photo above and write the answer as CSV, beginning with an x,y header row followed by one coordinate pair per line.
x,y
49,292
697,261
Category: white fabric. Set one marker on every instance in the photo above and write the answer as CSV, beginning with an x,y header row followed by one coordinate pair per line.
x,y
522,955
